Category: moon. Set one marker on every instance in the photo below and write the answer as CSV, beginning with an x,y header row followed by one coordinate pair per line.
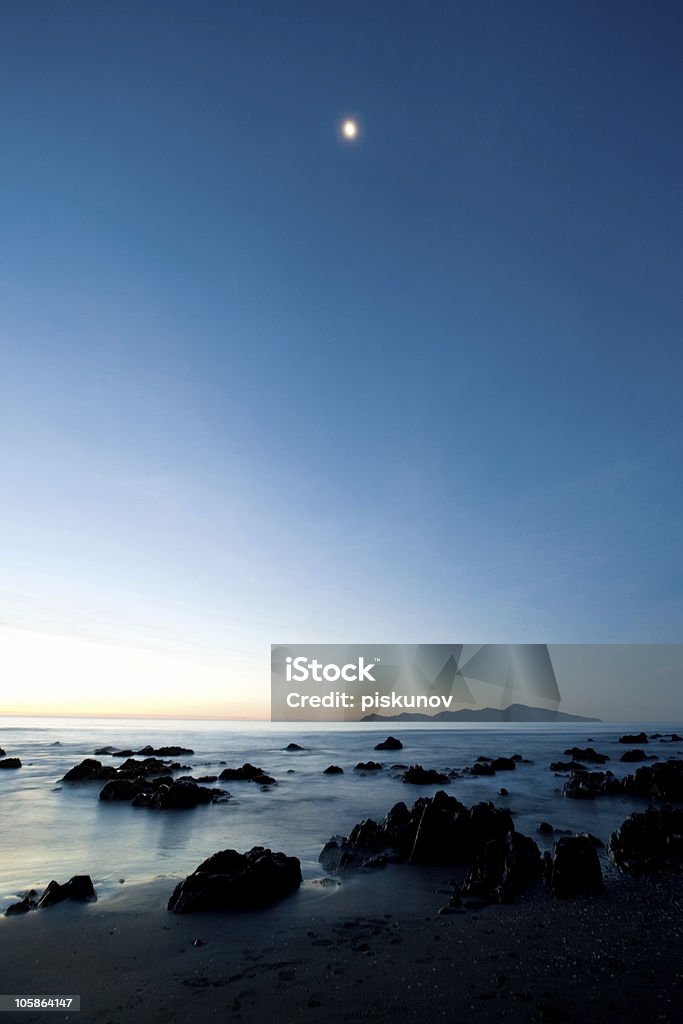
x,y
349,129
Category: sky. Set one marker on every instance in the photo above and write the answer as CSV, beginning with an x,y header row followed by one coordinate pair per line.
x,y
261,384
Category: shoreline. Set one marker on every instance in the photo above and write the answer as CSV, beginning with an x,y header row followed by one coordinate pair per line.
x,y
372,948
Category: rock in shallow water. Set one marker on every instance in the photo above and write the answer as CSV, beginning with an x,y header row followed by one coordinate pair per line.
x,y
10,762
390,743
237,881
78,888
90,770
416,775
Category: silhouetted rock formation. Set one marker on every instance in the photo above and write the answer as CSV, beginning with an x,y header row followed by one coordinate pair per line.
x,y
237,881
10,762
419,776
78,888
648,842
574,868
390,743
247,773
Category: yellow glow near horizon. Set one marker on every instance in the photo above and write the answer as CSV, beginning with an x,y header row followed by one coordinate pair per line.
x,y
350,129
52,674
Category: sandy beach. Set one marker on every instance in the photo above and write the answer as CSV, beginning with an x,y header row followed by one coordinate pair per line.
x,y
373,948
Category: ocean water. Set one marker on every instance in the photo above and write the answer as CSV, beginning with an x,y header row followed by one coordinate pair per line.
x,y
54,830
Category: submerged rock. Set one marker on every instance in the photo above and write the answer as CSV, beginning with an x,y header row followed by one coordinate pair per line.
x,y
639,738
634,755
149,751
587,785
573,868
419,776
122,789
293,747
587,754
90,770
567,766
390,743
179,796
237,881
247,773
369,766
649,841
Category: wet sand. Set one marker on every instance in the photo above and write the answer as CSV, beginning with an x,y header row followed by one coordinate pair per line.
x,y
372,949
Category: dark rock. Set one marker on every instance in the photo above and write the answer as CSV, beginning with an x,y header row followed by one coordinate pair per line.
x,y
333,769
10,762
237,881
149,766
150,751
206,778
79,888
247,773
634,755
567,766
587,754
368,766
122,789
90,770
663,781
482,768
3,753
437,830
503,764
675,738
639,738
650,841
546,829
104,750
503,791
390,743
588,785
574,867
517,757
293,746
179,796
22,907
504,868
419,776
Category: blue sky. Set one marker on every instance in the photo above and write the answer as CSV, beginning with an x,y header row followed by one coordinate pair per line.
x,y
262,385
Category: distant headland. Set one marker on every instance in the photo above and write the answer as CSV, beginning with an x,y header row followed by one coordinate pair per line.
x,y
513,713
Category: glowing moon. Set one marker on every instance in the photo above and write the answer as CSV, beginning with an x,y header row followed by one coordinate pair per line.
x,y
349,129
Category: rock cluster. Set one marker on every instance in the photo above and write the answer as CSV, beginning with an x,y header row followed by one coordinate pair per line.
x,y
661,781
79,888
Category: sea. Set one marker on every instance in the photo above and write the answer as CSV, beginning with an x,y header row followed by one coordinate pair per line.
x,y
50,829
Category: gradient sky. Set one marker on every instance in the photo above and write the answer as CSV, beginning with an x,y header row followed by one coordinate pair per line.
x,y
261,385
